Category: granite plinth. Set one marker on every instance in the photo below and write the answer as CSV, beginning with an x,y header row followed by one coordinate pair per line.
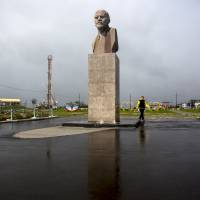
x,y
103,88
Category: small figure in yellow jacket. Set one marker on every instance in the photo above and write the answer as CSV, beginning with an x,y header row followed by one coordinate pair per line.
x,y
142,105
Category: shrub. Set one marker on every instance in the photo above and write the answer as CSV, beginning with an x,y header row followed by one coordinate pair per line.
x,y
3,117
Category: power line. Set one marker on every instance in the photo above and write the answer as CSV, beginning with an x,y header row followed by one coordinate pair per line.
x,y
37,91
20,89
30,90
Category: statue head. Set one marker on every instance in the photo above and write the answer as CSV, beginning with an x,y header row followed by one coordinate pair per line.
x,y
102,20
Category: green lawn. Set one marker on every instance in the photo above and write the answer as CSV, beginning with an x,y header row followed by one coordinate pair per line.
x,y
23,113
61,112
148,112
161,113
191,110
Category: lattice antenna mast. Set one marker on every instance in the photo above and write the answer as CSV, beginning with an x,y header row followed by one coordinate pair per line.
x,y
49,94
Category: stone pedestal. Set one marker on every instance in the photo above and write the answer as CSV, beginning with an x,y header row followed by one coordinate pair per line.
x,y
103,88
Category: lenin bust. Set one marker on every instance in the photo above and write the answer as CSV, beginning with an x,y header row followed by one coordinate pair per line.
x,y
106,41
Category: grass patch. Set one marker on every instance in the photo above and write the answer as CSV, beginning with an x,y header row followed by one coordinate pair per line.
x,y
61,112
148,112
25,113
191,110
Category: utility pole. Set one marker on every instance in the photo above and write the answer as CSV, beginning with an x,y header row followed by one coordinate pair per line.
x,y
176,100
49,94
130,100
79,100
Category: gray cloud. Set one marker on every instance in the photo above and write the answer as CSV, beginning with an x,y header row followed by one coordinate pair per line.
x,y
159,47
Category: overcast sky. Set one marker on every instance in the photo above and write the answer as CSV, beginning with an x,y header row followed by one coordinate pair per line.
x,y
158,40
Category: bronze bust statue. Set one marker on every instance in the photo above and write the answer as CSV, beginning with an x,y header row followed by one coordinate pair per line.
x,y
106,41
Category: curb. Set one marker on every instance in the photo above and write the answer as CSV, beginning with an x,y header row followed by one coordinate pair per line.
x,y
25,120
97,125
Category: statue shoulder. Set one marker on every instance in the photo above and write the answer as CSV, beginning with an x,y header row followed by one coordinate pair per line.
x,y
94,43
114,39
113,30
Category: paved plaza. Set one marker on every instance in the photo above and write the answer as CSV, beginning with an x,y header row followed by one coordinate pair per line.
x,y
160,160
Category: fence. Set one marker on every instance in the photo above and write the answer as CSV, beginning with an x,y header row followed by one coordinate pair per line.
x,y
25,113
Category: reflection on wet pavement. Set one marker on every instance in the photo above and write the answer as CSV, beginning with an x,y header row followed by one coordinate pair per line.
x,y
158,160
141,134
103,165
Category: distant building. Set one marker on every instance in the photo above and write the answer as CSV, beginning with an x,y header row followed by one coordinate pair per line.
x,y
197,105
185,105
155,105
159,105
9,102
165,104
193,103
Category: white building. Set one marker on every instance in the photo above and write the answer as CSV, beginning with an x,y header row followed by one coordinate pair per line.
x,y
9,101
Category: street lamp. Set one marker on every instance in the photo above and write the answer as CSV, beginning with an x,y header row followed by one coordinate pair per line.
x,y
34,101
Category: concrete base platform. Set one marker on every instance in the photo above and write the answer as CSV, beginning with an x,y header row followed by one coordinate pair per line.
x,y
98,125
55,132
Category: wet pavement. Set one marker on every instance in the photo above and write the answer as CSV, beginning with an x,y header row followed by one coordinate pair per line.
x,y
158,161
